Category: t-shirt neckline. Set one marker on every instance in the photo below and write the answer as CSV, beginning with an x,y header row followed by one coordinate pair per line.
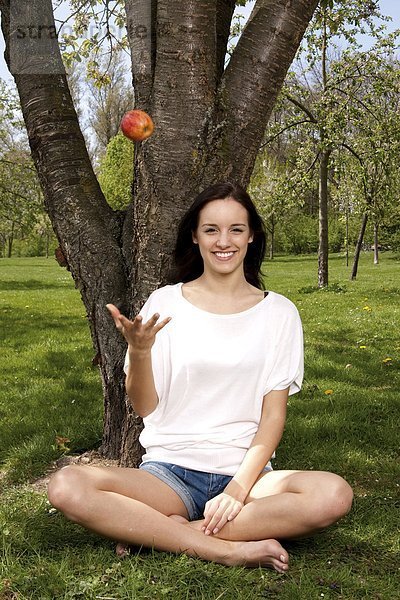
x,y
211,314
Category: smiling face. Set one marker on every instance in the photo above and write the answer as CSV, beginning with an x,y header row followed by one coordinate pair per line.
x,y
223,234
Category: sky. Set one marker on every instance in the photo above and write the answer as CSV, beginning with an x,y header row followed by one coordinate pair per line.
x,y
387,7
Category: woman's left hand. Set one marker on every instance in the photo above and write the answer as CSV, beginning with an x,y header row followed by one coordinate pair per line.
x,y
219,511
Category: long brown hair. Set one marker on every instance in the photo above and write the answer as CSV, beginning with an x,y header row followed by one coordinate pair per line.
x,y
187,257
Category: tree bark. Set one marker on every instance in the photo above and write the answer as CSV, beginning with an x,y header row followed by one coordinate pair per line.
x,y
10,241
250,85
209,123
87,229
323,248
358,246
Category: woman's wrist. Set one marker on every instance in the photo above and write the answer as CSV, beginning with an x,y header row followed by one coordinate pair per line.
x,y
235,490
135,355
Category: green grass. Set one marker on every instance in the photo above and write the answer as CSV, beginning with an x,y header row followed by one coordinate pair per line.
x,y
48,387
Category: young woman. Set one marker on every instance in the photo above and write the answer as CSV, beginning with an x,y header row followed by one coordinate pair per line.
x,y
211,361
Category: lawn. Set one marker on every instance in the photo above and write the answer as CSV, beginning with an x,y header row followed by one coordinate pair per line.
x,y
344,420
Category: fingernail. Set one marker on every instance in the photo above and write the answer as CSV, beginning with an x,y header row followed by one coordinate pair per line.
x,y
216,530
208,532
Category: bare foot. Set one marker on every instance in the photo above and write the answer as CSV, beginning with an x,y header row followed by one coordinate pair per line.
x,y
264,553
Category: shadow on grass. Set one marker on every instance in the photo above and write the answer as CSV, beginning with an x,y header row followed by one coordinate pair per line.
x,y
49,388
26,325
32,285
303,258
38,530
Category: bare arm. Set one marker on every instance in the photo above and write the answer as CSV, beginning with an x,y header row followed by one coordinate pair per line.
x,y
227,506
140,336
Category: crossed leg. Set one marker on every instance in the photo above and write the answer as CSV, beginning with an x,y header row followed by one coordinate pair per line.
x,y
289,505
134,507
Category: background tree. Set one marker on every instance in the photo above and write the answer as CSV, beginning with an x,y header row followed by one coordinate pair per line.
x,y
109,98
270,187
21,200
115,172
317,103
374,139
209,125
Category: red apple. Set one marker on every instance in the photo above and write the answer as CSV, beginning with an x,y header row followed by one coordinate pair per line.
x,y
137,125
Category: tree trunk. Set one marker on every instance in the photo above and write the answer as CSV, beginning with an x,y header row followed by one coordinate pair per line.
x,y
188,92
323,220
347,236
88,231
323,247
358,246
250,85
10,241
209,124
272,241
376,243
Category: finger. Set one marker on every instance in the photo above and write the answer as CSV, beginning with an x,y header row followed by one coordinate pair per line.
x,y
153,320
227,517
116,315
113,310
216,523
126,323
162,324
215,520
234,513
209,510
220,519
138,321
226,512
207,519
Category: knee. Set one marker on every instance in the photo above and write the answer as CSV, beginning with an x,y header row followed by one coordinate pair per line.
x,y
338,499
67,491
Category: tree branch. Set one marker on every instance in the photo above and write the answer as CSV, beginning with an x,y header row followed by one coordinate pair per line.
x,y
13,163
252,80
15,193
302,107
141,28
184,84
273,137
353,152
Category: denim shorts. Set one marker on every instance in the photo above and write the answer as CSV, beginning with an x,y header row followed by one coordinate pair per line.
x,y
194,488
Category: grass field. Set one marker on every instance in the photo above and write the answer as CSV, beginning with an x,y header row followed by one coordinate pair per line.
x,y
344,420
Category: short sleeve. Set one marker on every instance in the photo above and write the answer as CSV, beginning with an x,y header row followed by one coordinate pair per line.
x,y
288,364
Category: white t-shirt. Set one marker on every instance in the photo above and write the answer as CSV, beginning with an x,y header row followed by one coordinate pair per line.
x,y
211,372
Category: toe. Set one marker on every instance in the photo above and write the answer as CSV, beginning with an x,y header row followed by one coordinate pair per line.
x,y
122,550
